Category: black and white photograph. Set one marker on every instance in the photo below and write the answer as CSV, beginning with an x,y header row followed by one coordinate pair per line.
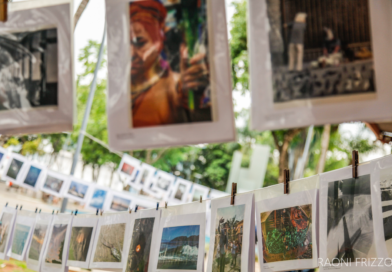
x,y
350,233
386,206
28,70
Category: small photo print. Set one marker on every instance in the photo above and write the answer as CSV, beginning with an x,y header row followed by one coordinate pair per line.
x,y
120,204
180,192
37,241
53,184
170,71
179,248
163,183
56,244
28,71
350,233
20,238
228,239
32,176
110,244
80,243
320,50
386,203
78,190
1,155
98,199
139,251
5,228
145,174
14,168
127,169
287,234
197,194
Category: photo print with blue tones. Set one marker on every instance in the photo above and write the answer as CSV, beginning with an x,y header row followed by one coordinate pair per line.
x,y
32,176
98,199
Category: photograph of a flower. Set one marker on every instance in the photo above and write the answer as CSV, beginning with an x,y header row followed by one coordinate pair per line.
x,y
78,190
20,238
5,225
53,184
98,199
110,243
14,168
56,244
139,251
37,241
179,248
32,176
80,243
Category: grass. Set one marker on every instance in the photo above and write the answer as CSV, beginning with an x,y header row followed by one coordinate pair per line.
x,y
14,266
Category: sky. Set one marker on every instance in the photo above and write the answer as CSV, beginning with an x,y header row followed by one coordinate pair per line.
x,y
173,232
230,212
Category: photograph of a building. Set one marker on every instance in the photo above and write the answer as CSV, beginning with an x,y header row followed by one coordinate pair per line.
x,y
320,48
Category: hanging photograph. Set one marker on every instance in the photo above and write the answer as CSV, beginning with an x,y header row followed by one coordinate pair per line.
x,y
7,221
32,177
232,226
39,240
198,191
54,183
82,240
143,231
22,232
324,59
109,243
34,52
143,178
129,167
98,199
120,202
3,154
181,238
142,202
78,190
56,250
171,86
181,190
163,182
13,170
386,207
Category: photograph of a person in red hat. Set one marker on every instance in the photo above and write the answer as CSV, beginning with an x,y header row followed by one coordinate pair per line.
x,y
170,79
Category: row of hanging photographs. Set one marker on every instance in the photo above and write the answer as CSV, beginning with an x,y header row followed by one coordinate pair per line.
x,y
169,80
159,185
331,221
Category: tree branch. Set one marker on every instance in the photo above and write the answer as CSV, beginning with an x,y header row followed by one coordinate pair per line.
x,y
276,140
80,11
159,155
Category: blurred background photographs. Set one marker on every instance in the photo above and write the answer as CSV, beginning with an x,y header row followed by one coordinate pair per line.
x,y
179,248
78,190
53,183
98,199
316,51
28,69
120,204
32,176
350,222
14,168
56,245
127,169
139,251
20,238
5,228
287,234
109,245
37,241
80,243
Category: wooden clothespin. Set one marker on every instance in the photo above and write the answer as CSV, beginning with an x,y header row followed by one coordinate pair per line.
x,y
355,163
76,212
21,206
53,212
201,199
40,210
286,187
6,204
233,193
17,207
101,212
36,210
71,212
97,212
3,10
130,210
57,212
157,205
137,207
165,205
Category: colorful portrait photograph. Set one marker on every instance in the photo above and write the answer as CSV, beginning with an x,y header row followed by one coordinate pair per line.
x,y
78,190
32,176
139,250
28,74
20,238
56,244
170,71
98,199
127,169
53,184
320,50
5,229
228,239
109,246
37,241
120,204
80,243
179,248
350,233
14,168
287,234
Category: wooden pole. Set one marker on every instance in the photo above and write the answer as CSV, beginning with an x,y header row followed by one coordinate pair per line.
x,y
3,10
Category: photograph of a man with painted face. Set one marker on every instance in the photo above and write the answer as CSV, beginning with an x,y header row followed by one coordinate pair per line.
x,y
169,77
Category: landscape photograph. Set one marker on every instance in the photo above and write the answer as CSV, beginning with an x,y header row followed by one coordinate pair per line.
x,y
20,238
139,251
53,184
78,190
5,228
110,244
37,241
80,243
287,234
120,204
98,199
32,176
56,244
14,168
179,248
228,239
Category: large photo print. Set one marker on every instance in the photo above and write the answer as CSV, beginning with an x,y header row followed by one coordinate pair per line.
x,y
28,69
170,78
320,49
